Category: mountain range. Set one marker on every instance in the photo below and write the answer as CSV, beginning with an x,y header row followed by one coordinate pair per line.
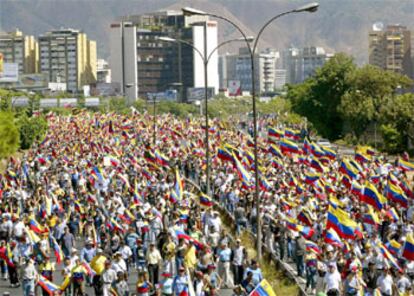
x,y
338,25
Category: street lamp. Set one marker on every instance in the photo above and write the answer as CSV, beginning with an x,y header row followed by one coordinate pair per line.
x,y
206,58
311,7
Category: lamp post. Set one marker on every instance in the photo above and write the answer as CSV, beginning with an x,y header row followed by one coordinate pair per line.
x,y
206,58
312,7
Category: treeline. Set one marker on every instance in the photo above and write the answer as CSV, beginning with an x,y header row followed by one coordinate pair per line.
x,y
343,101
19,129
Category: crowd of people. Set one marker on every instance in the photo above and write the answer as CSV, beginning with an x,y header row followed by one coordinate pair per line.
x,y
98,203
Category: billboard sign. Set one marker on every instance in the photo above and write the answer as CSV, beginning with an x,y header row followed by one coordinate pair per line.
x,y
197,93
10,72
168,95
48,103
68,102
30,81
20,101
92,102
234,88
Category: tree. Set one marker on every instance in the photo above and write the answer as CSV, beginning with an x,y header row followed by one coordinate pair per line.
x,y
31,129
9,135
399,110
393,140
318,97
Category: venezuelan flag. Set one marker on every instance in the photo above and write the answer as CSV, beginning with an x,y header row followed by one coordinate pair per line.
x,y
162,159
310,178
274,133
394,247
292,134
48,286
143,287
340,221
292,181
263,289
288,146
330,153
393,215
371,217
408,250
249,156
405,165
311,246
356,188
299,189
332,238
375,179
116,225
317,165
205,200
243,174
384,251
371,196
348,169
233,150
178,191
182,235
275,151
316,150
35,226
305,218
404,186
346,181
34,239
396,194
56,249
263,183
306,231
362,158
335,202
356,165
7,256
224,154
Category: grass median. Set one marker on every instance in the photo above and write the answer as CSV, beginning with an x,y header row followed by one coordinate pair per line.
x,y
280,283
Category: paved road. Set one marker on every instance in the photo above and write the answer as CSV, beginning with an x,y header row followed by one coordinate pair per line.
x,y
58,279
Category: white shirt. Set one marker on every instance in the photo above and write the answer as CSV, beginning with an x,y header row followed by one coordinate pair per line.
x,y
238,256
18,229
125,252
119,266
384,283
332,280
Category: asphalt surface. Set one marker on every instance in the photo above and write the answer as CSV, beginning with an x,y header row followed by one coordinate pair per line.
x,y
58,279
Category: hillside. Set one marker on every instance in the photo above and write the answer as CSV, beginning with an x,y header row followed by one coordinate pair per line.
x,y
339,25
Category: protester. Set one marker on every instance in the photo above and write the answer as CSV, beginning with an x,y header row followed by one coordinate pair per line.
x,y
104,202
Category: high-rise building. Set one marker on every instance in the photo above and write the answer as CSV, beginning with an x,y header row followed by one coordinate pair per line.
x,y
312,58
280,78
68,56
20,49
237,67
390,48
292,63
103,72
142,64
302,63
